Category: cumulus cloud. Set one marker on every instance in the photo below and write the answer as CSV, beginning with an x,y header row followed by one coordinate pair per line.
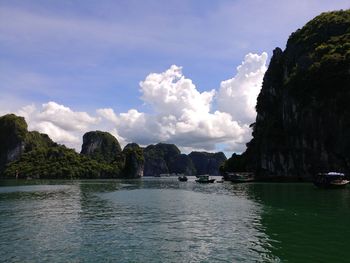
x,y
185,116
237,96
61,123
170,93
181,114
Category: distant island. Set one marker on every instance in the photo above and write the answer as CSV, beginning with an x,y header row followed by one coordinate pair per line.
x,y
303,110
25,154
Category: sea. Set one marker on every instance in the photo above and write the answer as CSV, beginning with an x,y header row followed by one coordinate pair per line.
x,y
164,220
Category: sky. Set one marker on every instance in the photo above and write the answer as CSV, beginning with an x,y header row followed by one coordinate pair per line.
x,y
186,72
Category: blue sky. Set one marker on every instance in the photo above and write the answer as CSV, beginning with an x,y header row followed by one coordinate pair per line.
x,y
89,55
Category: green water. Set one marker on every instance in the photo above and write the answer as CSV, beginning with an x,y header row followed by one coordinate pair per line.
x,y
163,220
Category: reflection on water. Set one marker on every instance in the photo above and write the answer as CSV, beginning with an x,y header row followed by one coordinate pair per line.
x,y
163,220
307,224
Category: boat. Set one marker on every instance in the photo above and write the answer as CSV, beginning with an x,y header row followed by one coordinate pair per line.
x,y
239,177
330,180
204,179
182,178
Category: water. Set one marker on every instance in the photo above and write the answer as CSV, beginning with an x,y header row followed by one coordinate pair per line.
x,y
163,220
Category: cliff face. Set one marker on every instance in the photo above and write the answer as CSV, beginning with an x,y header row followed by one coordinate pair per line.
x,y
303,111
166,158
15,139
182,164
105,148
13,132
25,154
158,157
134,161
207,163
101,146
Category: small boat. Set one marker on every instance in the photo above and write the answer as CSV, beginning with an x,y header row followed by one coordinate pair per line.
x,y
204,179
182,178
239,177
330,180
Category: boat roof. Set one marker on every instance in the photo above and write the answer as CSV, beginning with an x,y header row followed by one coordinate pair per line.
x,y
333,174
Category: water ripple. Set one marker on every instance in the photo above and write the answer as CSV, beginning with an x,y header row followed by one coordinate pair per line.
x,y
131,221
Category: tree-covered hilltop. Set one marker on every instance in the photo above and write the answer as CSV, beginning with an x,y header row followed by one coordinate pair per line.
x,y
207,163
15,139
59,162
165,158
25,154
134,161
158,158
100,146
303,110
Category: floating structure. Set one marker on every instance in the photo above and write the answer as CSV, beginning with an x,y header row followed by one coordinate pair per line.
x,y
204,179
182,178
330,180
239,177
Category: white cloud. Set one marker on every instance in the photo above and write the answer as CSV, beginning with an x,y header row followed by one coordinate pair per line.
x,y
56,133
65,118
170,93
237,96
181,114
61,123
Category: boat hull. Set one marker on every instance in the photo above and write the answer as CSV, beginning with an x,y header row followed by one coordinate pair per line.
x,y
205,181
238,181
244,177
333,185
330,180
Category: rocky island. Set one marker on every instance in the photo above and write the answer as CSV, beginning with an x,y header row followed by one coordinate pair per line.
x,y
303,111
30,154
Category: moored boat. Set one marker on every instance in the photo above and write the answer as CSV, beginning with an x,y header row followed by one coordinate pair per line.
x,y
182,178
242,177
330,180
204,179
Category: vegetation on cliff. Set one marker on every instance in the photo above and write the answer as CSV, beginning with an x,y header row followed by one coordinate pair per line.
x,y
303,110
182,164
59,162
158,158
133,161
27,154
100,146
207,163
15,139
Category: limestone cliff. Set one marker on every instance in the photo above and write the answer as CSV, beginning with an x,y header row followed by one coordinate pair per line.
x,y
207,163
182,164
158,157
134,161
101,146
303,110
15,139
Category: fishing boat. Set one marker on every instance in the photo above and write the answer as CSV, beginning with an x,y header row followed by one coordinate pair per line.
x,y
239,177
204,179
330,180
182,178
